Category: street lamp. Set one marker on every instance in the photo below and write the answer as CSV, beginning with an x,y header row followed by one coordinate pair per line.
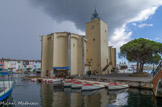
x,y
153,54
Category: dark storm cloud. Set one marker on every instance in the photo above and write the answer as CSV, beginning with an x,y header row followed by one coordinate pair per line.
x,y
113,12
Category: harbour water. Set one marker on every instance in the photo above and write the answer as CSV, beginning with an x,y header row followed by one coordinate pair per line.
x,y
33,94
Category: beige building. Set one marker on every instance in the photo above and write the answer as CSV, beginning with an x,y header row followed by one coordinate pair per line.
x,y
66,53
63,54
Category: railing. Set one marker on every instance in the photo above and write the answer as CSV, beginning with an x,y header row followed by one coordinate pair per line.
x,y
158,68
104,69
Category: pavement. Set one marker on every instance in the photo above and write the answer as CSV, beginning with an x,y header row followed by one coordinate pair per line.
x,y
119,77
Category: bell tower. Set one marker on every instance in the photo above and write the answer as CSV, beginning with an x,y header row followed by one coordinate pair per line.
x,y
97,44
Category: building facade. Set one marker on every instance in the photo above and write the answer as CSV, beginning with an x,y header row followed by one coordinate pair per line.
x,y
68,54
63,54
19,65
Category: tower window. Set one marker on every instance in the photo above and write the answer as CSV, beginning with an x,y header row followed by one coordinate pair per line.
x,y
87,50
92,27
91,59
105,31
93,39
73,45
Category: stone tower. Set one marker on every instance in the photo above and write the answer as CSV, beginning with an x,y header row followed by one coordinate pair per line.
x,y
97,45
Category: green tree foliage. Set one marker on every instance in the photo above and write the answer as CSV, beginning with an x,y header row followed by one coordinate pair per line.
x,y
141,51
28,69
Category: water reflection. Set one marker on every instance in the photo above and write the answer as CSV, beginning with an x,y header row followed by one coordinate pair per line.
x,y
48,95
57,96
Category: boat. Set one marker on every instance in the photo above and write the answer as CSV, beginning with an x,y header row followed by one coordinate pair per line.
x,y
89,87
76,85
67,83
58,80
6,86
34,80
115,86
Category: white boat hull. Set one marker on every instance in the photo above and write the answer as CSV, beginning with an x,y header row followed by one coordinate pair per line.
x,y
117,87
92,87
78,86
67,84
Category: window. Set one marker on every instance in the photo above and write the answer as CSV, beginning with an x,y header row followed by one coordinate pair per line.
x,y
93,39
87,50
1,65
73,45
92,27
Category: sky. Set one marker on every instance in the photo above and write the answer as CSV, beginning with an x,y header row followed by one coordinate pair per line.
x,y
22,22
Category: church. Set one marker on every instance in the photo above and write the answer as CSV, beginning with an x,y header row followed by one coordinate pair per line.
x,y
67,54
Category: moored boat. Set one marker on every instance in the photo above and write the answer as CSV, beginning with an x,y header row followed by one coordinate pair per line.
x,y
67,83
77,85
88,87
6,86
116,86
52,80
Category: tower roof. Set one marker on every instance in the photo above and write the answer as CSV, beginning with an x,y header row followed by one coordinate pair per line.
x,y
95,15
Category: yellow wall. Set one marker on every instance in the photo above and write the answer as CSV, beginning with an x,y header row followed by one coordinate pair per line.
x,y
97,51
104,44
114,57
44,55
74,56
93,45
55,48
55,53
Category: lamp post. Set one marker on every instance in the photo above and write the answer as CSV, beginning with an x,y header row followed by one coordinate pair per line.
x,y
153,54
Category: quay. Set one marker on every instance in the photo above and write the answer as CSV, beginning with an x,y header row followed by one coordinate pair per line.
x,y
134,82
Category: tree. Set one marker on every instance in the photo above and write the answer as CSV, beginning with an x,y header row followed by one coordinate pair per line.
x,y
140,51
28,69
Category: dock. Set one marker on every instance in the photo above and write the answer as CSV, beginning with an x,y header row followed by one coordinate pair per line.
x,y
134,82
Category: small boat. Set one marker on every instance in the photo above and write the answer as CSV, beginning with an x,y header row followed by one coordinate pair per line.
x,y
76,85
52,80
88,87
6,86
67,83
57,79
115,86
34,80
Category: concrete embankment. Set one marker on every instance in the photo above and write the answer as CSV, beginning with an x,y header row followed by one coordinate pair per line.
x,y
134,82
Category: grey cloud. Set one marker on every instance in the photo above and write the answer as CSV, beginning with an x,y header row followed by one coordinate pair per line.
x,y
113,12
